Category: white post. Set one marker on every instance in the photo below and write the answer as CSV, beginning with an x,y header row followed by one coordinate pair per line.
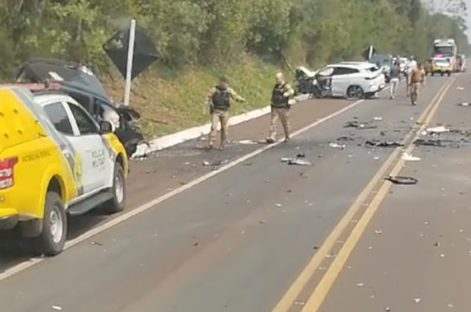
x,y
132,34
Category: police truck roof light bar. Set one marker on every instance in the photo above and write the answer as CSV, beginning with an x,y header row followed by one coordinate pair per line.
x,y
36,87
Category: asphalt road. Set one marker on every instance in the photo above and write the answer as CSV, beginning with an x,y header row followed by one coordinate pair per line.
x,y
237,241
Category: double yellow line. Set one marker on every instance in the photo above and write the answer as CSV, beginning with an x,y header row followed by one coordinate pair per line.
x,y
395,162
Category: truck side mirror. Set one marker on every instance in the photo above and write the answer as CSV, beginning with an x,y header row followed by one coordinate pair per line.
x,y
105,127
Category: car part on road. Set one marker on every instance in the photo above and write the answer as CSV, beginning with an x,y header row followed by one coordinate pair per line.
x,y
437,143
409,157
437,130
338,146
299,162
360,125
215,163
402,180
376,143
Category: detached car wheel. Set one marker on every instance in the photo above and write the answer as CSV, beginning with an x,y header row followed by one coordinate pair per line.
x,y
52,239
118,202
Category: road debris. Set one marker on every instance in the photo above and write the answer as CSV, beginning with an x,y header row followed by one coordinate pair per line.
x,y
278,205
378,118
337,146
360,284
301,155
299,162
451,306
215,163
460,88
437,130
358,125
345,138
247,142
57,308
377,143
437,143
417,300
464,104
97,244
378,232
402,180
409,157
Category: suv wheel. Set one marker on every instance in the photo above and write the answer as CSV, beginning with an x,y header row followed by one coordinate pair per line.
x,y
118,202
51,241
355,92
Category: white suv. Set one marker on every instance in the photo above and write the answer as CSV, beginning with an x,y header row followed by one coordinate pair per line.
x,y
352,79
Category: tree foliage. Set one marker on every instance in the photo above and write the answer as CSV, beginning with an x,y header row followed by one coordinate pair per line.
x,y
220,31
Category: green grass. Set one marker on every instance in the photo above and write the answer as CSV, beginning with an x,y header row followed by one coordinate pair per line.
x,y
174,100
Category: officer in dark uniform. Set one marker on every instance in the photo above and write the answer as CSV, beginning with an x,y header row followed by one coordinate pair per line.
x,y
281,100
219,101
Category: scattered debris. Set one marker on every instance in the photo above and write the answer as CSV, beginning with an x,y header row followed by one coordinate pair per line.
x,y
358,125
278,205
451,306
437,143
215,163
247,142
57,308
402,180
437,244
299,162
387,309
409,157
465,104
97,244
378,232
377,143
376,158
417,300
195,244
437,130
301,155
360,284
345,138
261,222
378,118
460,88
442,256
337,146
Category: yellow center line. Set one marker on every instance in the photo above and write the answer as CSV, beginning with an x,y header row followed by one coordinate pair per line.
x,y
324,286
287,301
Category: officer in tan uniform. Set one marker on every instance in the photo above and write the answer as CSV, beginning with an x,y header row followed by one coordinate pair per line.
x,y
281,100
416,79
219,100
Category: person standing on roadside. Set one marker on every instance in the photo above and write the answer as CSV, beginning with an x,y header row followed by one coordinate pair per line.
x,y
411,66
219,101
395,78
415,80
281,101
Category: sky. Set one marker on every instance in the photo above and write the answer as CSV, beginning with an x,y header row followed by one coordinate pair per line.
x,y
442,5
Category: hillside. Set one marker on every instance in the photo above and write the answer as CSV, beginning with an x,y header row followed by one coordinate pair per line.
x,y
200,40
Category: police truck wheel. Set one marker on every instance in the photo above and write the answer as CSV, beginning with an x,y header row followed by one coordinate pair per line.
x,y
51,241
118,202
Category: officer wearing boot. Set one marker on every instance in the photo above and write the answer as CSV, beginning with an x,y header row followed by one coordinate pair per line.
x,y
219,101
281,100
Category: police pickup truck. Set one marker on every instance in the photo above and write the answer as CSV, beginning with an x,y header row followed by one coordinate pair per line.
x,y
54,160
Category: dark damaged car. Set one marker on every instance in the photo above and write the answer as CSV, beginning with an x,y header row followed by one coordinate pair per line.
x,y
81,84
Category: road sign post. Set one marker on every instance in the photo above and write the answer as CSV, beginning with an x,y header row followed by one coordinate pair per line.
x,y
132,34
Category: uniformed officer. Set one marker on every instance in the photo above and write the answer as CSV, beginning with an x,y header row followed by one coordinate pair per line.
x,y
219,101
281,100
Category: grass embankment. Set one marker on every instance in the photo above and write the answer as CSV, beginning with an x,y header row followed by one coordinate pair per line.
x,y
170,101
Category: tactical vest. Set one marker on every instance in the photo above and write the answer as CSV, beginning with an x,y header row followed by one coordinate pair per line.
x,y
277,98
221,99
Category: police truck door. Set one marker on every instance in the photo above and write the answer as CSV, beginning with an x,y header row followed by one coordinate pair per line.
x,y
89,144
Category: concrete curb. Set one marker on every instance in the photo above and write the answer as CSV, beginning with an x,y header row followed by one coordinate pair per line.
x,y
196,132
